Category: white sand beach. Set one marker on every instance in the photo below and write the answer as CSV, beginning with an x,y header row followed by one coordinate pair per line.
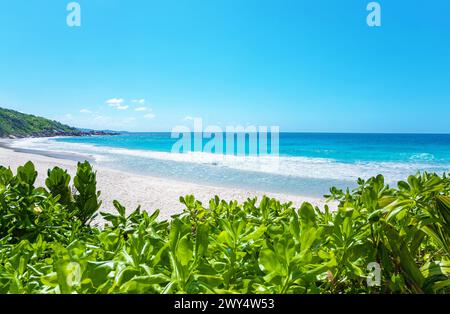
x,y
149,192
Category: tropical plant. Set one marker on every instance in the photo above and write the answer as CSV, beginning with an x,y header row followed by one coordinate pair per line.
x,y
47,244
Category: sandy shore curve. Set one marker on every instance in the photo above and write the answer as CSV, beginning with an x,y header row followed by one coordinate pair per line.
x,y
150,192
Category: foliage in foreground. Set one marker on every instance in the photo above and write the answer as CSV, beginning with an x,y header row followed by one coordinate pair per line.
x,y
47,244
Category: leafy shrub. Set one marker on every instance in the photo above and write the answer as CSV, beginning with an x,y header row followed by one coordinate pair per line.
x,y
58,184
86,200
46,245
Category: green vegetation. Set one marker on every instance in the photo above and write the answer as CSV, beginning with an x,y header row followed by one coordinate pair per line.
x,y
16,124
47,244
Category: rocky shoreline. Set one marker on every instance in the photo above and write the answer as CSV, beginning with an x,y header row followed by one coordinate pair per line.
x,y
63,133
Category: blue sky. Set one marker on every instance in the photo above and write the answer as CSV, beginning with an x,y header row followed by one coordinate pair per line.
x,y
310,66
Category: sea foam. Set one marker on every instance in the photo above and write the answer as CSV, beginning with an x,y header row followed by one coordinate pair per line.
x,y
290,166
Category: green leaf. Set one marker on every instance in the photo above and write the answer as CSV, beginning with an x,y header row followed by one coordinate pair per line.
x,y
184,251
269,263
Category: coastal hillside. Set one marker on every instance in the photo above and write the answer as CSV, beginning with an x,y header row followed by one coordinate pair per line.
x,y
15,124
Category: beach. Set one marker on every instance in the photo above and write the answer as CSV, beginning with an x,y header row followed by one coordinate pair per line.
x,y
132,190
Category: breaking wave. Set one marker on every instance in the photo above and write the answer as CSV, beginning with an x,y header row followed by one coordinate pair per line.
x,y
301,167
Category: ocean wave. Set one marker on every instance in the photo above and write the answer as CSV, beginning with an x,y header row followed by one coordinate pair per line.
x,y
422,157
302,167
48,144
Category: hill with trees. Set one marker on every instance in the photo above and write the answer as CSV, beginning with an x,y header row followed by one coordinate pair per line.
x,y
14,124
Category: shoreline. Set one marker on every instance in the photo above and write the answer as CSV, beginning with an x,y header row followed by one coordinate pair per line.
x,y
132,190
51,154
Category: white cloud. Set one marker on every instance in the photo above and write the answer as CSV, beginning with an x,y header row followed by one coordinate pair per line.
x,y
187,118
115,101
138,101
140,109
149,116
85,111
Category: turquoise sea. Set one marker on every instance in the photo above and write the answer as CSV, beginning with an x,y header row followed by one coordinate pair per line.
x,y
308,163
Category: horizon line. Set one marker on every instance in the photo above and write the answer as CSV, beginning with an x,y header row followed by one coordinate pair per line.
x,y
289,132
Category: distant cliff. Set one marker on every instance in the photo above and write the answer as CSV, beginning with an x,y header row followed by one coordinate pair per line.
x,y
14,124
